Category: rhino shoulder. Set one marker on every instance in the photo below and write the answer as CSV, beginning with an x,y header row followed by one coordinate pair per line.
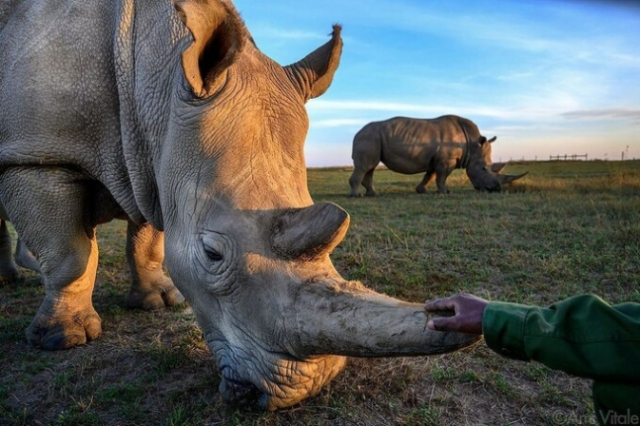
x,y
6,8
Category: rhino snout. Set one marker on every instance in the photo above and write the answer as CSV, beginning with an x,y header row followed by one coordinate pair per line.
x,y
495,188
490,187
270,379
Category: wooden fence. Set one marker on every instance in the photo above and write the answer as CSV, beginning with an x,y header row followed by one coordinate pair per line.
x,y
568,157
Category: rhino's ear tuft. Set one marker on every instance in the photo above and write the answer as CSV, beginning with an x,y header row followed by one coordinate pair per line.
x,y
218,35
310,232
313,74
493,139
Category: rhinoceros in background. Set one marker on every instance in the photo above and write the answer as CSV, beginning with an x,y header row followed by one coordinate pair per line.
x,y
436,146
170,117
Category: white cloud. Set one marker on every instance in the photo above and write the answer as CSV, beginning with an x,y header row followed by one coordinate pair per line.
x,y
340,107
368,105
268,31
631,114
338,122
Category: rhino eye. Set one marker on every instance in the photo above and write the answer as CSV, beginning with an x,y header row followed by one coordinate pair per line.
x,y
213,254
214,245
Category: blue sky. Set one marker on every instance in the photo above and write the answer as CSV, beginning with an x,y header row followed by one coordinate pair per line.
x,y
546,76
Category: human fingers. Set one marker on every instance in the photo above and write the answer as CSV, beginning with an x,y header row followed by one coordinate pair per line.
x,y
443,304
443,324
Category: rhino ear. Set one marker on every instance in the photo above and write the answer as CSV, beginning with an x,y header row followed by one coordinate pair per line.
x,y
313,75
484,140
218,34
310,232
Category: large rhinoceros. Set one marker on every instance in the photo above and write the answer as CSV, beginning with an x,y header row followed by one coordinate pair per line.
x,y
169,116
434,146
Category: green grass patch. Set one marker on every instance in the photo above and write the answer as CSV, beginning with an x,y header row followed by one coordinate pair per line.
x,y
564,229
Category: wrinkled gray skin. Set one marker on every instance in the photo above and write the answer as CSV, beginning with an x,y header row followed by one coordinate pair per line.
x,y
171,118
435,147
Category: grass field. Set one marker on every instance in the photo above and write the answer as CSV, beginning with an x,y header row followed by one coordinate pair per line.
x,y
566,228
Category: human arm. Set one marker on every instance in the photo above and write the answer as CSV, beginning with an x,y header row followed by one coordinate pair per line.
x,y
582,335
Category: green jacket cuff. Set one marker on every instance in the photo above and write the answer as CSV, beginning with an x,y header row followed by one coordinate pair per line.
x,y
503,328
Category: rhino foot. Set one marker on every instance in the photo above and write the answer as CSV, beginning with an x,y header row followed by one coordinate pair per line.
x,y
9,272
62,332
161,294
11,276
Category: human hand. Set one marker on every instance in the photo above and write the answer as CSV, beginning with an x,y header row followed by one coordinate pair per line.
x,y
467,318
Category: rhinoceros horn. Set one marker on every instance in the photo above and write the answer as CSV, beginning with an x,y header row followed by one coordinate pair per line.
x,y
498,167
504,179
309,232
339,317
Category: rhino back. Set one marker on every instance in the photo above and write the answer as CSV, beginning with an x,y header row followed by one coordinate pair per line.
x,y
57,69
66,84
6,7
57,86
412,145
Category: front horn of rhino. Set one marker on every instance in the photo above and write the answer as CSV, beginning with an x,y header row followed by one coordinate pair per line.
x,y
505,179
332,316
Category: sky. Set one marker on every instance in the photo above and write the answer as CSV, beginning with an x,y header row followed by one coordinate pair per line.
x,y
547,77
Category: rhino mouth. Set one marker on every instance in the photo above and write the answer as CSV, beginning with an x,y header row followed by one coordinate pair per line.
x,y
495,188
238,391
282,387
272,380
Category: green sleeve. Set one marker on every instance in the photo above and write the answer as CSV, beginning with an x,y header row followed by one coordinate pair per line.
x,y
583,336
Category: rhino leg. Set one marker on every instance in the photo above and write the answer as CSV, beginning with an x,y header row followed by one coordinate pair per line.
x,y
8,269
25,259
150,288
354,182
60,233
442,173
367,182
422,186
362,177
441,182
